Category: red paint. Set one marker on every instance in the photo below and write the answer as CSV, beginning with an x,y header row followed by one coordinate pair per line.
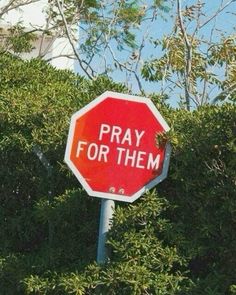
x,y
106,172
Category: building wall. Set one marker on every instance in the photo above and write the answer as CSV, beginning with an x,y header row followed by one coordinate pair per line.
x,y
31,16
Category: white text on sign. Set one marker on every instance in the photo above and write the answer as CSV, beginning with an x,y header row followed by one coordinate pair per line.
x,y
118,135
127,157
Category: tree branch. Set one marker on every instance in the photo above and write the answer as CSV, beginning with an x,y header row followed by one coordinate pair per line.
x,y
70,56
216,13
227,92
188,61
124,66
67,31
9,6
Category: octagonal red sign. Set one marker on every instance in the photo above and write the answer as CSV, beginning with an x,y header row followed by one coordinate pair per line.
x,y
111,146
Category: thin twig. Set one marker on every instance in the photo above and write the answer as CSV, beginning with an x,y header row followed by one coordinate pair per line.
x,y
216,13
9,6
81,62
124,66
188,61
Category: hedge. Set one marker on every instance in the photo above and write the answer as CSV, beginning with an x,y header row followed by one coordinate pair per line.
x,y
177,239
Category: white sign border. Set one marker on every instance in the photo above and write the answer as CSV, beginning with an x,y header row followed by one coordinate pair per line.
x,y
112,196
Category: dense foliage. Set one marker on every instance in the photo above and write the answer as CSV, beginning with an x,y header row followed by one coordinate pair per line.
x,y
177,239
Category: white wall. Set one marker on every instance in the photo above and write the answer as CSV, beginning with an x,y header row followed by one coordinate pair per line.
x,y
33,15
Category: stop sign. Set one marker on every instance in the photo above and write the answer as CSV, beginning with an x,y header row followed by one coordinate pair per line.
x,y
111,146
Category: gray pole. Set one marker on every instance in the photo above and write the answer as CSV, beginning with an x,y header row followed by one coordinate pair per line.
x,y
107,209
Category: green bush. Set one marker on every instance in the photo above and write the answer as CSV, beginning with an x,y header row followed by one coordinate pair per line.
x,y
201,187
177,239
36,103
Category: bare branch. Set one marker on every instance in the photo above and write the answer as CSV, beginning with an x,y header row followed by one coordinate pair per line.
x,y
70,56
199,5
124,66
227,92
13,4
68,34
44,35
188,46
45,51
6,8
221,8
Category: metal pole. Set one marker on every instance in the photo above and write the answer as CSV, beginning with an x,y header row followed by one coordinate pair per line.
x,y
107,209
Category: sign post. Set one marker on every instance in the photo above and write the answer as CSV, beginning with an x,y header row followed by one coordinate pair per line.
x,y
107,209
112,151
